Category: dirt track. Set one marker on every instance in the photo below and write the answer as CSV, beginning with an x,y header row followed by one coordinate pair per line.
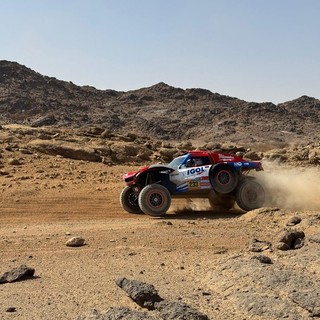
x,y
49,200
40,211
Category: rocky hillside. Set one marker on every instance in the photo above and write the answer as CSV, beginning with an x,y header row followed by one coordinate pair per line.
x,y
159,111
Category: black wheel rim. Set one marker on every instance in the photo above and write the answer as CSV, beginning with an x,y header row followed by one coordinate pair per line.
x,y
224,177
133,200
155,199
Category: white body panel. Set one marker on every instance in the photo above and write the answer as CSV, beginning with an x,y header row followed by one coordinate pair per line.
x,y
191,179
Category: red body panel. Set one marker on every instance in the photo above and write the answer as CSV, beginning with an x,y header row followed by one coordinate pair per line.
x,y
216,157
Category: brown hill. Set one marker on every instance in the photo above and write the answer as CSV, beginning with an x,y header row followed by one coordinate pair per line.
x,y
160,111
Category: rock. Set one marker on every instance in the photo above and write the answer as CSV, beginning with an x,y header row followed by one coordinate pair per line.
x,y
103,151
107,134
252,156
15,162
258,245
289,239
313,157
67,151
11,309
212,146
25,151
278,157
93,131
289,236
232,149
178,311
20,273
315,238
116,313
44,136
144,294
185,145
131,150
167,154
298,243
263,259
282,246
125,138
315,220
132,136
75,242
293,221
44,121
240,154
144,154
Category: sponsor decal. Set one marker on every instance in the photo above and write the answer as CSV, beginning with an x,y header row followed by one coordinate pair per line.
x,y
224,157
237,164
198,170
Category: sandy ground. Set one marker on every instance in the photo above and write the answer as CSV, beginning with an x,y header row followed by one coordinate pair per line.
x,y
47,200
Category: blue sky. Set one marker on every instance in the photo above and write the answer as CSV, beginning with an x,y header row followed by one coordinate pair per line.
x,y
256,50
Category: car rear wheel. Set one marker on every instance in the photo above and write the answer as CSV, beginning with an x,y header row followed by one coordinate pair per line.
x,y
129,200
223,178
250,195
154,200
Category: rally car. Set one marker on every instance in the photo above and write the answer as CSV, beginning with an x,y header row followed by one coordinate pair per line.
x,y
222,178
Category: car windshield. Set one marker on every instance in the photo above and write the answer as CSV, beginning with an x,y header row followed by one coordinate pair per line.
x,y
175,163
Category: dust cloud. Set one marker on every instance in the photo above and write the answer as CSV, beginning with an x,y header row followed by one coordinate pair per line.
x,y
291,188
191,205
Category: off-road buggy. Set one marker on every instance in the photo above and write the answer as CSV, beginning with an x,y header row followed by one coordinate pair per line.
x,y
222,178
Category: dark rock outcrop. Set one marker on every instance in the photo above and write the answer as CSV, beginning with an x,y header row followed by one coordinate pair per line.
x,y
16,274
144,294
291,240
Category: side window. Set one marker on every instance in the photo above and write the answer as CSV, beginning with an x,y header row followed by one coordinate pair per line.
x,y
197,162
190,163
205,161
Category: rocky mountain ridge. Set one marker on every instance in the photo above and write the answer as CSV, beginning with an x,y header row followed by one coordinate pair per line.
x,y
160,111
63,152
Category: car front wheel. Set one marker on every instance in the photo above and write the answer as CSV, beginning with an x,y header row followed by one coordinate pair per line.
x,y
154,200
129,200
